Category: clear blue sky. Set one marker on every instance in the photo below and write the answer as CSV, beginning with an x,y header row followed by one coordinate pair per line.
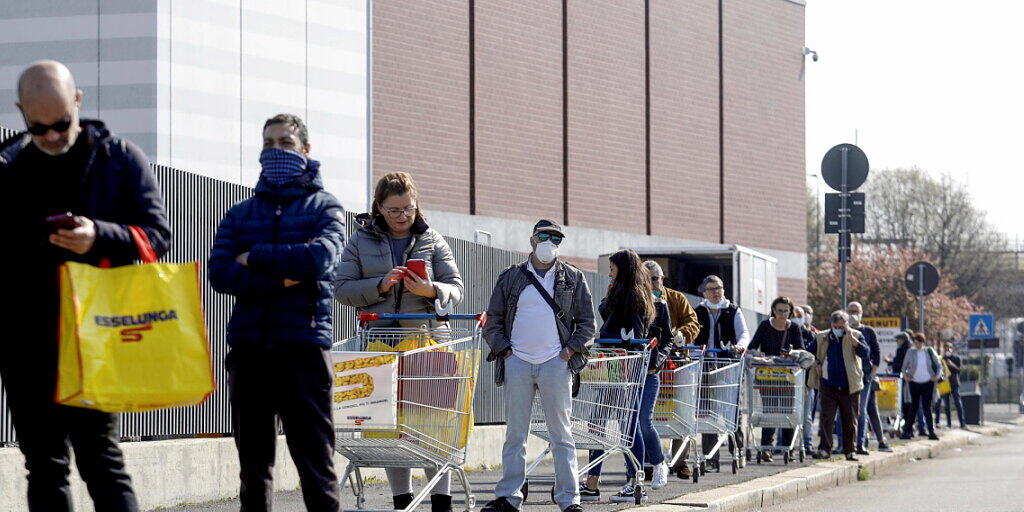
x,y
935,84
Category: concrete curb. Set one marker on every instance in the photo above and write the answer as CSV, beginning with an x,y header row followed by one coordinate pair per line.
x,y
794,484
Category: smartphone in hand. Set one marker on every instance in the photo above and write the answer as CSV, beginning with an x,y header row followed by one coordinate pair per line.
x,y
63,221
417,266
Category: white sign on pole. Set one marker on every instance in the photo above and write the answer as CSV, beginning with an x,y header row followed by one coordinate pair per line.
x,y
886,328
365,389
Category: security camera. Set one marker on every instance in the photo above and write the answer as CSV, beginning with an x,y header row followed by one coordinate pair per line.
x,y
812,53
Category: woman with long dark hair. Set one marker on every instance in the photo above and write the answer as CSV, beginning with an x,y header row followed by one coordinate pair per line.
x,y
630,306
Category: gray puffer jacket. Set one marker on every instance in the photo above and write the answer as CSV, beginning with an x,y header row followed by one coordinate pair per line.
x,y
367,259
576,328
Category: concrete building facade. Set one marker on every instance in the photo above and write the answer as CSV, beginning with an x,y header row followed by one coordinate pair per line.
x,y
192,81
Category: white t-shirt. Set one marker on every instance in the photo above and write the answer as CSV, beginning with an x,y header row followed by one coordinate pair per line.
x,y
534,333
921,370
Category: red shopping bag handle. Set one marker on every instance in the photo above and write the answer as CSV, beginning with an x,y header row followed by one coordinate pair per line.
x,y
142,244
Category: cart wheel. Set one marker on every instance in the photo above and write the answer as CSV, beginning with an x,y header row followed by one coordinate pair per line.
x,y
696,476
735,466
470,503
785,457
759,457
525,489
748,455
703,468
638,493
801,455
552,494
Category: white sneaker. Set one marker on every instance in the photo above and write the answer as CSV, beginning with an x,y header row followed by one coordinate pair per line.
x,y
660,477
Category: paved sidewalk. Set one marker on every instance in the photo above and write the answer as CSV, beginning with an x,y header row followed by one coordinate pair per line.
x,y
712,487
483,481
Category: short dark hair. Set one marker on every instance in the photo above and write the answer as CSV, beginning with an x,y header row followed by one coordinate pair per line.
x,y
786,301
291,119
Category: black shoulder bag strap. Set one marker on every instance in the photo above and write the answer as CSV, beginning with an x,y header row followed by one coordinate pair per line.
x,y
559,317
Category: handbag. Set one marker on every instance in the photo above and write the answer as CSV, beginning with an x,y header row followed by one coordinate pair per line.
x,y
132,338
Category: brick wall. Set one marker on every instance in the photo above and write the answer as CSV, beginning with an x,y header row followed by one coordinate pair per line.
x,y
606,115
795,289
764,124
421,112
519,108
684,118
420,97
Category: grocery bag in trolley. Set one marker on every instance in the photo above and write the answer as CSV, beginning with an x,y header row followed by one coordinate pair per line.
x,y
132,338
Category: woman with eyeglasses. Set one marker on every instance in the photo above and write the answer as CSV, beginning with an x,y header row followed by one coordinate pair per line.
x,y
776,336
373,276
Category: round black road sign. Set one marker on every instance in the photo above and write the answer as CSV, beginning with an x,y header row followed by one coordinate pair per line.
x,y
922,278
856,167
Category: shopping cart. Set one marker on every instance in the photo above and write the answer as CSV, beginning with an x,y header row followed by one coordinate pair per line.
x,y
604,410
775,399
675,413
718,405
889,400
437,370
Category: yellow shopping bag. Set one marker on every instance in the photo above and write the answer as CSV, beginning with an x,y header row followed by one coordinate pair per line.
x,y
132,338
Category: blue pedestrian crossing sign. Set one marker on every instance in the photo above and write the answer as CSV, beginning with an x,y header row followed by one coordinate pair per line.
x,y
982,326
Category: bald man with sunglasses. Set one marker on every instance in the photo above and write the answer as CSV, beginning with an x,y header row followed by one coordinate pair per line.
x,y
83,188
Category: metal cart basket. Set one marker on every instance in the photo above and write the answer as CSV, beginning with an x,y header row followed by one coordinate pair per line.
x,y
437,371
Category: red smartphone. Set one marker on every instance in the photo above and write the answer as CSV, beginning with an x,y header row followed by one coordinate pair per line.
x,y
417,266
62,221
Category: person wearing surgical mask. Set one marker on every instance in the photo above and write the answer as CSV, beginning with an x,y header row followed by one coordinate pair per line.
x,y
540,326
809,318
838,375
721,327
868,414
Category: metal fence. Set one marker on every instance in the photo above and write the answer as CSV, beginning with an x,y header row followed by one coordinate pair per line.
x,y
195,205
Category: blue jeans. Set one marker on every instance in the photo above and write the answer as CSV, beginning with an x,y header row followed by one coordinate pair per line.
x,y
810,405
868,411
553,382
645,438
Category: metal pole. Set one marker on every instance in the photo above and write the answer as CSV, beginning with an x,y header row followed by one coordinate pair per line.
x,y
920,294
843,235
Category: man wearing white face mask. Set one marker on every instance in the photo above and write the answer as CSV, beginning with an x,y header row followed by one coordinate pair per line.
x,y
540,326
721,327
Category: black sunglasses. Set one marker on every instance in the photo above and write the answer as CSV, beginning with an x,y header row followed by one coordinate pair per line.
x,y
544,237
39,129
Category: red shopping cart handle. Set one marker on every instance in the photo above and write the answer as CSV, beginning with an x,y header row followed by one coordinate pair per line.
x,y
373,317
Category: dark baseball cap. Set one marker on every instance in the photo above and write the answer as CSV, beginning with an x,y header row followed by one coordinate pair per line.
x,y
548,226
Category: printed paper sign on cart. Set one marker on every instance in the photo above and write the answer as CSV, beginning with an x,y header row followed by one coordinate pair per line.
x,y
365,389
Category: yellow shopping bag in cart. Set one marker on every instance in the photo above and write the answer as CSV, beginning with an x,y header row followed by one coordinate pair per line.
x,y
132,338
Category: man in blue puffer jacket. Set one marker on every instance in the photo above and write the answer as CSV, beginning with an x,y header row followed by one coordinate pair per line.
x,y
276,253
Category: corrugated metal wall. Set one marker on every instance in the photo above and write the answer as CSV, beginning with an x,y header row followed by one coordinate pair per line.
x,y
195,204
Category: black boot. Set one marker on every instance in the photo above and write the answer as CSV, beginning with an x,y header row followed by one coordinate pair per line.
x,y
441,503
402,501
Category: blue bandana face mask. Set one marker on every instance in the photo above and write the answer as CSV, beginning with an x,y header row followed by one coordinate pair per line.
x,y
283,166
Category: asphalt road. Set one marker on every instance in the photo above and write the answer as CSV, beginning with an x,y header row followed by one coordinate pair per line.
x,y
986,477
